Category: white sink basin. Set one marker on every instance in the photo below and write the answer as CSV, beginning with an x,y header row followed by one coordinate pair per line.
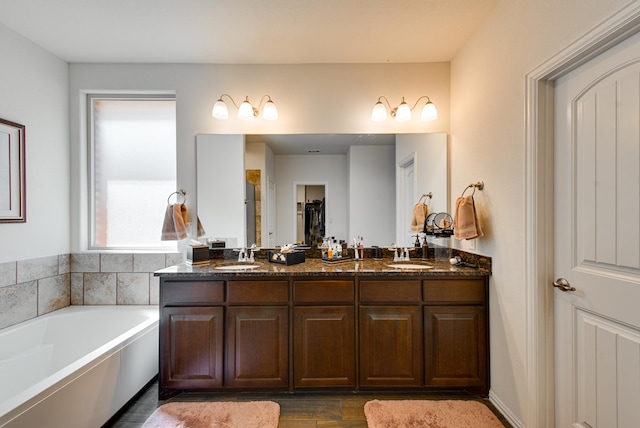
x,y
239,266
409,266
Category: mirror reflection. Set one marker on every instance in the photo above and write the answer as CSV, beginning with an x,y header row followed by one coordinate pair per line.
x,y
277,189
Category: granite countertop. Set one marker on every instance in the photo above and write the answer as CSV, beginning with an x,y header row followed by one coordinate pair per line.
x,y
318,267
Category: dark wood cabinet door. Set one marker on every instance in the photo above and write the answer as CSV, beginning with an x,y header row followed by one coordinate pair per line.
x,y
324,346
456,346
192,347
391,352
257,347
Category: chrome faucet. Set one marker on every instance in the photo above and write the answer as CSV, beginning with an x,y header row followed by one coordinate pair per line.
x,y
252,257
242,255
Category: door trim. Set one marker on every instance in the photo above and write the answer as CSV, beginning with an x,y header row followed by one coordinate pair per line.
x,y
410,161
539,144
327,224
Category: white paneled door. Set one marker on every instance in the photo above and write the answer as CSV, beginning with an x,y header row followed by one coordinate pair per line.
x,y
597,241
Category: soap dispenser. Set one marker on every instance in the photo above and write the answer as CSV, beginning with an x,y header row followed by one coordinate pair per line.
x,y
425,249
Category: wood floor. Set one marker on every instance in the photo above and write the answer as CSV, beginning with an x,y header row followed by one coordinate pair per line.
x,y
300,410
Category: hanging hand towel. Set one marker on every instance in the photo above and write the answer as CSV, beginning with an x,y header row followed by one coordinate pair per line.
x,y
174,227
420,213
465,222
201,231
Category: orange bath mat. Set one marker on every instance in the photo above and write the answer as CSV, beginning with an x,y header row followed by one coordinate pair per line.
x,y
429,414
219,414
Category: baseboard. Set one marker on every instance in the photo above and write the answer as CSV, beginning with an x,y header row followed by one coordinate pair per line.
x,y
508,415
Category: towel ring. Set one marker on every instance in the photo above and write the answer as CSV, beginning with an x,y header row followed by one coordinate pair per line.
x,y
178,194
479,185
425,197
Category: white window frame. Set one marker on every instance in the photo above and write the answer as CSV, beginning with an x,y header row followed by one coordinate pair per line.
x,y
91,235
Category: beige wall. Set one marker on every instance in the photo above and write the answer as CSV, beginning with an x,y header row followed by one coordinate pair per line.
x,y
316,98
488,143
34,93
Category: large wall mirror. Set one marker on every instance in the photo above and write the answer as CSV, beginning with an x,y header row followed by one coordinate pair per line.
x,y
277,189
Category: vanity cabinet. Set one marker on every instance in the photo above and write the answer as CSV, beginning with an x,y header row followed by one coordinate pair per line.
x,y
224,334
191,334
390,333
257,343
324,333
348,331
456,333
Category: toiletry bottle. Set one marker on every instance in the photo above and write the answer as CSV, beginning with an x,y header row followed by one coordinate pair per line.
x,y
425,249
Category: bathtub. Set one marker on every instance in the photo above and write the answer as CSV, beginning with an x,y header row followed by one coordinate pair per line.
x,y
77,366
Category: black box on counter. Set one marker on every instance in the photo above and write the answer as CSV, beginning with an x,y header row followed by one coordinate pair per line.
x,y
197,255
291,258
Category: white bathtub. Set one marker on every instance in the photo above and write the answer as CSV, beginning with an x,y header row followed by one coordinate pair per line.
x,y
77,366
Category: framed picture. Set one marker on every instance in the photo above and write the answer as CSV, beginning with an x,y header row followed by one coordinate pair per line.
x,y
12,175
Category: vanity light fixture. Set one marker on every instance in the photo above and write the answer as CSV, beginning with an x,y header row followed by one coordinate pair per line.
x,y
246,111
402,113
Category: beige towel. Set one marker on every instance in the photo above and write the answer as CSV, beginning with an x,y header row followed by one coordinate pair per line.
x,y
174,227
201,231
420,213
465,222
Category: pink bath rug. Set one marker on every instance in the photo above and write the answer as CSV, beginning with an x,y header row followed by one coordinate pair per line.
x,y
429,414
219,414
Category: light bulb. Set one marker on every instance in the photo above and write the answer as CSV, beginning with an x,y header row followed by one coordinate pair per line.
x,y
379,112
245,111
429,112
269,111
220,110
403,113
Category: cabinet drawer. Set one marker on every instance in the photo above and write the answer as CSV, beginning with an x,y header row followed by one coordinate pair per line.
x,y
454,291
202,292
330,291
390,291
258,291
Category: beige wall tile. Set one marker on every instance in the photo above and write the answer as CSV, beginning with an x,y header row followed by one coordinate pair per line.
x,y
132,289
173,259
8,274
64,263
100,288
154,290
85,262
77,288
116,263
148,262
53,293
32,269
18,302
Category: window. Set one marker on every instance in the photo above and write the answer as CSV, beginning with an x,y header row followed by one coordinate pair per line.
x,y
132,169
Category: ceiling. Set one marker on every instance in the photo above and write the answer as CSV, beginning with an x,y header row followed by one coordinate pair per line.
x,y
247,31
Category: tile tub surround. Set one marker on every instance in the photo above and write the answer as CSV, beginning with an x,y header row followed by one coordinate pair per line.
x,y
34,287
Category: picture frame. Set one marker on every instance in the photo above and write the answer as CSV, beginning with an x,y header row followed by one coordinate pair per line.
x,y
12,172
